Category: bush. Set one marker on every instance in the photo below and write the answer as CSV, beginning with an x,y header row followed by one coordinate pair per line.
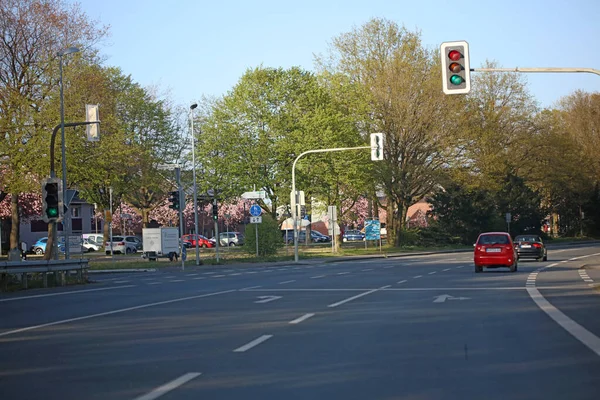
x,y
269,237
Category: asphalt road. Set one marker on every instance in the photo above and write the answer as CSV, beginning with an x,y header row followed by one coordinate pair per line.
x,y
418,327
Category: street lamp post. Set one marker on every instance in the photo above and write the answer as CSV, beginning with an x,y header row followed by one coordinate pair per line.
x,y
192,107
66,219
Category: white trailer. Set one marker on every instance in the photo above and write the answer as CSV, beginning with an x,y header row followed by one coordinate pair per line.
x,y
160,242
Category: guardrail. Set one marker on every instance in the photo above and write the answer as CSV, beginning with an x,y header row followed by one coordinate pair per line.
x,y
57,267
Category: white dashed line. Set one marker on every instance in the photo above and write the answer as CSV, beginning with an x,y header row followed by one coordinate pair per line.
x,y
402,281
200,277
176,280
250,288
367,269
122,281
447,269
170,277
167,387
191,274
343,273
253,343
461,266
302,318
154,283
434,272
252,272
218,276
417,277
236,274
317,277
209,273
286,282
388,267
358,296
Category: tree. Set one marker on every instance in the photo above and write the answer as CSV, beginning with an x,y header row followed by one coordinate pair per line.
x,y
32,32
269,237
401,80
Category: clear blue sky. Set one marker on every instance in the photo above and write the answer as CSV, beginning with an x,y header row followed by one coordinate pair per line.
x,y
196,48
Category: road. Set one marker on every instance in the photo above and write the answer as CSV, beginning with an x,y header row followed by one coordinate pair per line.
x,y
416,327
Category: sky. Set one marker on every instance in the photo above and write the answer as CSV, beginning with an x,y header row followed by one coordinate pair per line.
x,y
192,49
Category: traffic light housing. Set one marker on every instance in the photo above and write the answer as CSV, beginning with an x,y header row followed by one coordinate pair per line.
x,y
215,211
456,71
174,200
376,146
52,200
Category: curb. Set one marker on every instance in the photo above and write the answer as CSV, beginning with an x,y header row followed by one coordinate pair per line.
x,y
114,271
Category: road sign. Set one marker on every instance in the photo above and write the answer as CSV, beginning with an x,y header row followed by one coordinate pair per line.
x,y
91,115
256,220
255,210
372,229
257,194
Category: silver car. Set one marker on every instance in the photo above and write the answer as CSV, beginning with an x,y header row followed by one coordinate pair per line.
x,y
231,239
124,245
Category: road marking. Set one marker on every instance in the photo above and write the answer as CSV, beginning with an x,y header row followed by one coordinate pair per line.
x,y
200,277
250,288
170,277
317,277
122,281
461,266
388,267
367,269
586,278
282,269
447,269
65,293
286,282
148,279
121,310
579,332
302,318
434,272
209,273
218,276
402,281
343,273
253,343
417,277
236,274
442,298
267,299
252,272
358,296
177,280
191,274
167,387
155,283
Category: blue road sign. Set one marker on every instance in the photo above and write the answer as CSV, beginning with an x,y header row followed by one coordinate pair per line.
x,y
372,229
255,210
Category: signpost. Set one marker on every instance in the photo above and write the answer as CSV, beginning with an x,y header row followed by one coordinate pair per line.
x,y
256,219
373,231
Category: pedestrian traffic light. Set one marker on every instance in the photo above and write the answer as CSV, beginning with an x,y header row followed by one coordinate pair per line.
x,y
376,146
52,201
456,72
215,211
174,200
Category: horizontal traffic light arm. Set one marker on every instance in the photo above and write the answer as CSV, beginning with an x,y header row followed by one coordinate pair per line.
x,y
53,139
539,69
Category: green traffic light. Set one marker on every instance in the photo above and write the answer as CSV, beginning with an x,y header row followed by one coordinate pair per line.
x,y
52,212
456,80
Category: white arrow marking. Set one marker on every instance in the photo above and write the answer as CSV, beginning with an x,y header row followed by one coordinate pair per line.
x,y
266,299
442,298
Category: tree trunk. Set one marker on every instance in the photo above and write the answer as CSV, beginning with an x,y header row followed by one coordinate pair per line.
x,y
15,220
49,253
145,217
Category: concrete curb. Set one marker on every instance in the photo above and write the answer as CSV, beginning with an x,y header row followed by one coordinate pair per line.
x,y
113,271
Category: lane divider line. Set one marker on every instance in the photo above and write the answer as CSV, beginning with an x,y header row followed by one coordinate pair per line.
x,y
167,387
417,276
253,343
302,318
358,296
286,282
35,296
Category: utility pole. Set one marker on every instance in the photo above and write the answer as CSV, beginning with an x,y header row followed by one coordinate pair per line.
x,y
181,205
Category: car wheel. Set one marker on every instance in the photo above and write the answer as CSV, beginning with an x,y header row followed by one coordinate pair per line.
x,y
127,250
513,268
108,253
478,269
232,244
545,257
39,252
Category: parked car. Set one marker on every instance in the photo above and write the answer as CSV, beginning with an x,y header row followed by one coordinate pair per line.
x,y
97,238
315,237
318,237
531,246
124,245
353,235
203,241
39,247
90,244
493,250
231,239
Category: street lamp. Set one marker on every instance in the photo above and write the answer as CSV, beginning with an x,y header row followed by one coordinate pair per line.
x,y
192,107
66,220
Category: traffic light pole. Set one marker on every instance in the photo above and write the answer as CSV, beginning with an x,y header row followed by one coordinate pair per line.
x,y
294,209
181,203
217,238
542,69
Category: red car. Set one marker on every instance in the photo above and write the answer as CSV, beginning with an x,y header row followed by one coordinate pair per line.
x,y
493,250
203,241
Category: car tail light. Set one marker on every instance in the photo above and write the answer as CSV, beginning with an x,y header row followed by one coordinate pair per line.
x,y
537,245
121,244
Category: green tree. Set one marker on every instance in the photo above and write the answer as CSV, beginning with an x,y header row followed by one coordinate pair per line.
x,y
269,237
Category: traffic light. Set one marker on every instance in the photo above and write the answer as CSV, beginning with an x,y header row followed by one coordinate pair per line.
x,y
174,200
215,211
52,201
376,146
456,72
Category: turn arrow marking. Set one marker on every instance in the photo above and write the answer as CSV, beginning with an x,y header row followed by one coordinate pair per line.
x,y
442,298
266,299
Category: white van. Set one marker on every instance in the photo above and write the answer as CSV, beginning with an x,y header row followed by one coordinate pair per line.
x,y
96,238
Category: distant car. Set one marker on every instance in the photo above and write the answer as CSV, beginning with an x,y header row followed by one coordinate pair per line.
x,y
231,239
493,250
90,245
318,237
203,241
315,237
39,247
353,235
531,246
187,244
124,245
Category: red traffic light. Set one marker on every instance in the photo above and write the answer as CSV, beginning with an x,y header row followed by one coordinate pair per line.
x,y
454,55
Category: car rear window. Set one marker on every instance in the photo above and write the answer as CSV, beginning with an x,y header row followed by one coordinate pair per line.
x,y
527,239
493,239
117,238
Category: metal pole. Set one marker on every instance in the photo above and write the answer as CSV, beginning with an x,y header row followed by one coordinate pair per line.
x,y
110,233
218,239
294,209
181,204
195,189
549,69
256,226
65,220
